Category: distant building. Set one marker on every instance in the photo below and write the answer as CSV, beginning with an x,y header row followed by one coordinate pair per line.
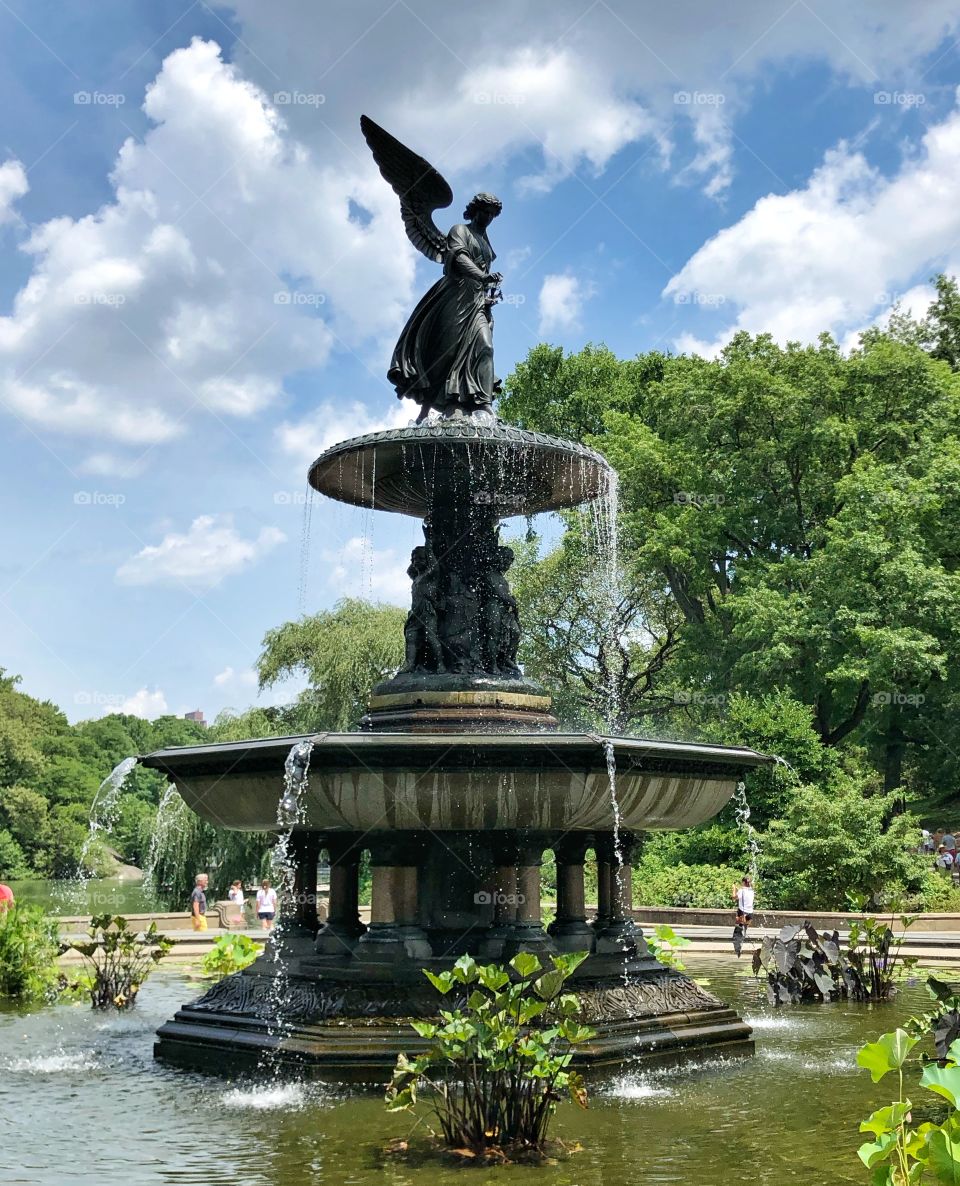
x,y
196,715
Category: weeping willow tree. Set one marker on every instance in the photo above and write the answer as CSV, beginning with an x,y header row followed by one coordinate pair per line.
x,y
184,845
343,652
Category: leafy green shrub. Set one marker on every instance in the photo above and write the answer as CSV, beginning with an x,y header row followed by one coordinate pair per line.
x,y
13,860
118,959
494,1070
230,953
711,844
29,946
704,886
838,841
935,892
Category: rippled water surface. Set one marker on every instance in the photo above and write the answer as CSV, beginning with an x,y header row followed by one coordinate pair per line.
x,y
82,1101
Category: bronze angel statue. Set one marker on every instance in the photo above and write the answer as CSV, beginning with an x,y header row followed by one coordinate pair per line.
x,y
444,358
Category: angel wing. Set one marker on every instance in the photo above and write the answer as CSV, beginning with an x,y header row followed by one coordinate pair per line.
x,y
416,183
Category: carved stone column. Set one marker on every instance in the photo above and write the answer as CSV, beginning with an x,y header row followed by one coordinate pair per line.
x,y
501,936
614,926
305,848
343,926
395,929
529,925
570,930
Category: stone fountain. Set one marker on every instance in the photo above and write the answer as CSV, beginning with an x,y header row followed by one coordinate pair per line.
x,y
460,778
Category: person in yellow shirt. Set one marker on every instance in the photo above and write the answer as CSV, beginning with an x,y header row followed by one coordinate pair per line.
x,y
198,902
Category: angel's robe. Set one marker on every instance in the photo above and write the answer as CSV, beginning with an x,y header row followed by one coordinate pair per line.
x,y
444,357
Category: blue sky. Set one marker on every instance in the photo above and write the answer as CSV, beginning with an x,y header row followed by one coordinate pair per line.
x,y
203,274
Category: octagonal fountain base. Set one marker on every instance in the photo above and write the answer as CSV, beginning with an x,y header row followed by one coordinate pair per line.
x,y
353,1034
456,827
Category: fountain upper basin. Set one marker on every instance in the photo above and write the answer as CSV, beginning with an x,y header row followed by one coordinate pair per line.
x,y
511,470
382,781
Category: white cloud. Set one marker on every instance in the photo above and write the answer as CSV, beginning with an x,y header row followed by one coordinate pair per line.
x,y
567,84
110,465
833,254
226,259
560,302
305,439
714,160
360,570
201,557
144,703
13,185
231,679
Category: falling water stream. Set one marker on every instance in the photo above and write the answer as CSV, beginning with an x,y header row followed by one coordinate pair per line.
x,y
289,812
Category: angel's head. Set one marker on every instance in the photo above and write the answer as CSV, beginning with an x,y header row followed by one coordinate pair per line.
x,y
483,209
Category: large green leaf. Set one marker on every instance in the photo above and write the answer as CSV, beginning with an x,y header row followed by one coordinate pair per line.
x,y
872,1153
525,963
886,1119
944,1081
944,1157
888,1053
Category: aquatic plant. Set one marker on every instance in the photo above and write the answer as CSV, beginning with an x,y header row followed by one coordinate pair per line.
x,y
118,959
230,953
665,944
900,1151
802,965
496,1064
29,946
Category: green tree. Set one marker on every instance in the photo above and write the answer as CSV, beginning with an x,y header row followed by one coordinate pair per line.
x,y
343,652
798,508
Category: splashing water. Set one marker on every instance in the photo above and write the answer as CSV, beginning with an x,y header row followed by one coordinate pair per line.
x,y
172,812
266,1099
103,814
741,811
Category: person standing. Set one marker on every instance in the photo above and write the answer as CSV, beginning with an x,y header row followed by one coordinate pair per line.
x,y
266,904
236,895
745,904
198,902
